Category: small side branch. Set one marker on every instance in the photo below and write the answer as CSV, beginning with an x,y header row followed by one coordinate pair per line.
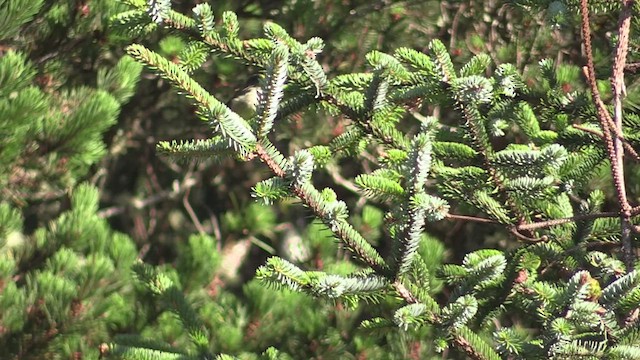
x,y
630,150
543,224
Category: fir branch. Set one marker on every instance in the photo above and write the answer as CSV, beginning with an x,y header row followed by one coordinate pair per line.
x,y
443,61
419,205
350,288
376,94
161,286
201,149
404,293
159,10
391,139
270,190
179,21
278,272
299,100
272,90
230,125
473,346
410,316
378,187
352,239
139,353
483,146
376,104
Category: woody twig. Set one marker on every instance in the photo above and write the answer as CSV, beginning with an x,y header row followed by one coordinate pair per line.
x,y
612,127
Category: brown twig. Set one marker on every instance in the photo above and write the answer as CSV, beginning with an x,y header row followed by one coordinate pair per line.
x,y
617,132
177,189
555,222
470,218
340,180
603,114
454,25
515,231
192,214
618,87
404,293
544,224
632,68
615,150
625,143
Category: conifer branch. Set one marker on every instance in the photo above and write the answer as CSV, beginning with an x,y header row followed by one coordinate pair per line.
x,y
345,232
404,293
483,146
272,90
230,125
473,346
507,185
459,339
364,124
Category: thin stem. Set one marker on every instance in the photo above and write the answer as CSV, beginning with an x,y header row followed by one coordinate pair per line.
x,y
192,213
471,218
555,222
544,224
625,143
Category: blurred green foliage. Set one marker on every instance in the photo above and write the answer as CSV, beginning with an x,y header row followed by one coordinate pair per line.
x,y
78,170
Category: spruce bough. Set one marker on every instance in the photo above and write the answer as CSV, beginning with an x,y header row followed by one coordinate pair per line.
x,y
554,292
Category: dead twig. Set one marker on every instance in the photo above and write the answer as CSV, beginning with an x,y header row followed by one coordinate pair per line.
x,y
614,146
619,91
630,150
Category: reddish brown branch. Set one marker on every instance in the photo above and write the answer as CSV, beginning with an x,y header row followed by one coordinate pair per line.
x,y
555,222
272,164
617,84
625,143
614,146
470,218
543,224
603,114
404,293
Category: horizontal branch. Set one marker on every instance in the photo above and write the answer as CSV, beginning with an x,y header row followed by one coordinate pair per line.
x,y
544,224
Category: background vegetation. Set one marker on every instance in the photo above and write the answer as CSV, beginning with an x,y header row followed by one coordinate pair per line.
x,y
85,197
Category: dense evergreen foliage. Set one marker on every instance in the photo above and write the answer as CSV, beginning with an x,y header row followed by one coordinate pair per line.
x,y
417,180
